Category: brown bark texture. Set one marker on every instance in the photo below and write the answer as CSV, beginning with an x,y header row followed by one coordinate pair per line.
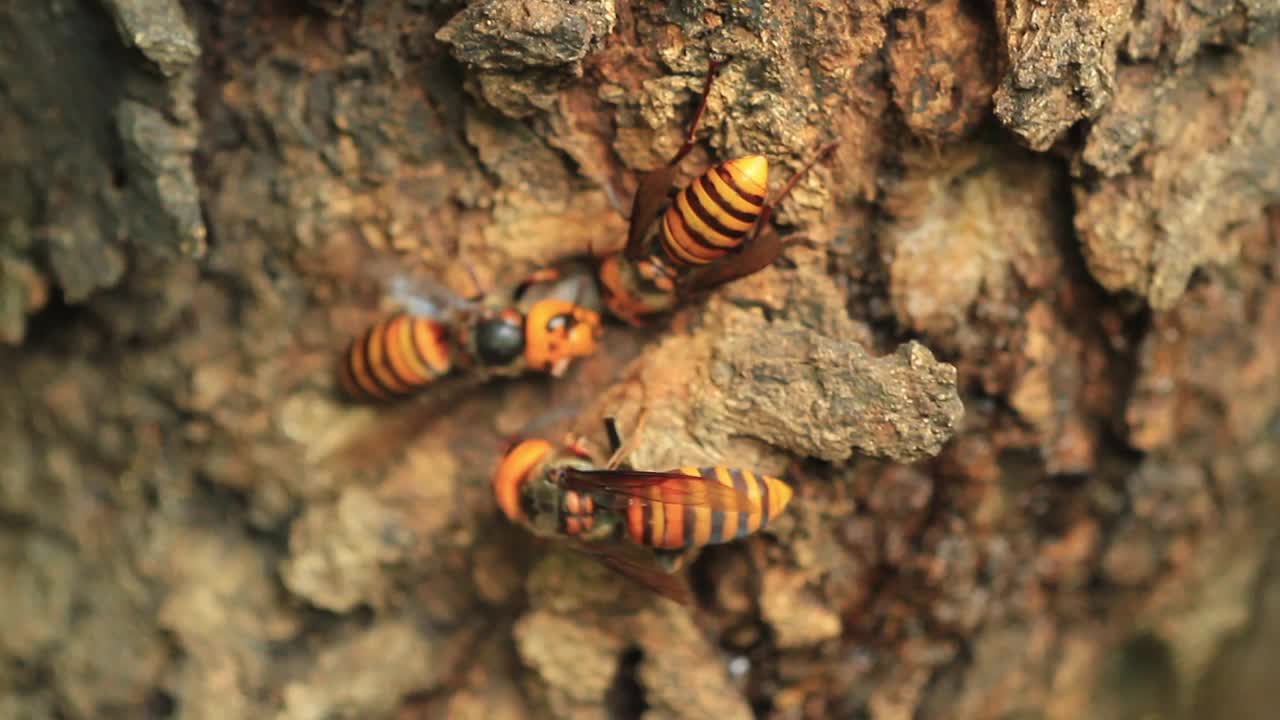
x,y
1024,374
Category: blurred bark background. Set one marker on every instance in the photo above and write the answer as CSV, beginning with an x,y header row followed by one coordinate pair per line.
x,y
1060,214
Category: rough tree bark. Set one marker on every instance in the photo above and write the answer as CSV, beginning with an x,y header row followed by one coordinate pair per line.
x,y
1057,214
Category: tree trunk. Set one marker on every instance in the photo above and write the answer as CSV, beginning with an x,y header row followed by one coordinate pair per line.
x,y
1024,374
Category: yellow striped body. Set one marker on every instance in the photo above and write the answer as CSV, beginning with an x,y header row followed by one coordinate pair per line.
x,y
711,216
395,357
405,352
672,526
703,222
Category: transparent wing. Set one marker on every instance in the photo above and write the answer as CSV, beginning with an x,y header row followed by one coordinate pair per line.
x,y
652,196
575,284
638,566
426,297
627,486
391,429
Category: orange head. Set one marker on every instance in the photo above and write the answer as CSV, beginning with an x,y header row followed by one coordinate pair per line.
x,y
634,289
556,332
610,276
618,295
514,471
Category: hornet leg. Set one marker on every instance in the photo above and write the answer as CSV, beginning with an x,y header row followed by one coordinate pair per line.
x,y
654,190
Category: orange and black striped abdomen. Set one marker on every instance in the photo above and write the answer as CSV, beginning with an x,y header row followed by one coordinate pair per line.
x,y
395,357
711,216
668,525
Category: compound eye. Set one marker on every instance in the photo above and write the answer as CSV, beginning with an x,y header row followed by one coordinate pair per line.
x,y
561,323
